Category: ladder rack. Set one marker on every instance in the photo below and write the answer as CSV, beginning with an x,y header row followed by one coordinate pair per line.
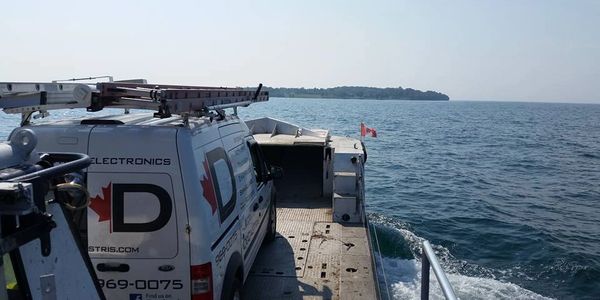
x,y
29,97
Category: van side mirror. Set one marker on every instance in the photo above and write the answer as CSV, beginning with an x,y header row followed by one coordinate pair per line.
x,y
275,173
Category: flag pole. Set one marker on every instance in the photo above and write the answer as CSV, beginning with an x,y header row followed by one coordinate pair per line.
x,y
362,137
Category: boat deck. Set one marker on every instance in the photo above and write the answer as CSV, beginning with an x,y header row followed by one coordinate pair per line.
x,y
312,257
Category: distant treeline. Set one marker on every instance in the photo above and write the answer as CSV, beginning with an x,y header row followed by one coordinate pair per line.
x,y
357,92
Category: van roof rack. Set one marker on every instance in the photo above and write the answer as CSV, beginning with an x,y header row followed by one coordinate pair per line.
x,y
29,97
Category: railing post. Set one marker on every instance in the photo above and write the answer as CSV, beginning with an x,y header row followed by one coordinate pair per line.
x,y
429,260
424,276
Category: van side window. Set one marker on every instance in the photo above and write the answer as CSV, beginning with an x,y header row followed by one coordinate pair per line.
x,y
224,183
260,168
224,180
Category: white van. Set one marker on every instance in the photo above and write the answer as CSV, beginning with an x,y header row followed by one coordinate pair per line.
x,y
179,206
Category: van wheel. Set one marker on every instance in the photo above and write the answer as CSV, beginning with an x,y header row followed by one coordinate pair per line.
x,y
237,290
235,293
272,225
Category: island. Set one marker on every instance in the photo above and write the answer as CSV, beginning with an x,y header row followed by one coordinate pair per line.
x,y
358,92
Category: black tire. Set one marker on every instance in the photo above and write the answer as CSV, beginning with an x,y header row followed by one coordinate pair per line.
x,y
237,290
233,292
272,225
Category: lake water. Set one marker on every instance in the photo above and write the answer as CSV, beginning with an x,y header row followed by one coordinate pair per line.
x,y
508,193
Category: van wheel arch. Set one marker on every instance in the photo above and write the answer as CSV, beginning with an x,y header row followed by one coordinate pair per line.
x,y
234,275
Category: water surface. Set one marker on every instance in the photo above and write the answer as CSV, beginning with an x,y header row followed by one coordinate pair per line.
x,y
508,193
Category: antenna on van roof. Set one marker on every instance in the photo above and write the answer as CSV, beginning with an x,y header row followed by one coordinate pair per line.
x,y
29,97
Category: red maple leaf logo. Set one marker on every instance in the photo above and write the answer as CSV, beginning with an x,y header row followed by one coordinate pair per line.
x,y
101,205
208,188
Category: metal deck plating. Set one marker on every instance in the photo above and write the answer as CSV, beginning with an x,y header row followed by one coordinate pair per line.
x,y
312,257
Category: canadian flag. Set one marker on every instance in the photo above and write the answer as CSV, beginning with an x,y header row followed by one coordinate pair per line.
x,y
364,130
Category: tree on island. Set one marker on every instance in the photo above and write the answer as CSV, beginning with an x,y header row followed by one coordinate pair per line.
x,y
358,92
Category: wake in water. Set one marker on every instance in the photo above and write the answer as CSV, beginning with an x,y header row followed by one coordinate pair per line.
x,y
405,278
401,262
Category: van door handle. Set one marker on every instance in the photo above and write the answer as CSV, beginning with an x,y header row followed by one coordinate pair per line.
x,y
260,199
255,207
112,267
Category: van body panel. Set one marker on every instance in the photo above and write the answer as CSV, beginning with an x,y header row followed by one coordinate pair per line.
x,y
229,128
133,211
203,136
136,221
256,209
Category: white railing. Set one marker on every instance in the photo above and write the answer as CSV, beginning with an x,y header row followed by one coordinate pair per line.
x,y
429,259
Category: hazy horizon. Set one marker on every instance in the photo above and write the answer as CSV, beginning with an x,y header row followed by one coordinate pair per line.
x,y
579,101
536,50
550,101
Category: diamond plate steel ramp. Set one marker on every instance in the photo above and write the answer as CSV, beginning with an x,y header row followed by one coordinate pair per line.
x,y
312,258
355,246
286,255
286,288
304,214
356,269
323,267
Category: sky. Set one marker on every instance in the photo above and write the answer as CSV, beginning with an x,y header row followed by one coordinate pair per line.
x,y
536,50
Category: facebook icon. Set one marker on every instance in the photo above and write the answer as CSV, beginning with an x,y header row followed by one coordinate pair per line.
x,y
135,296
